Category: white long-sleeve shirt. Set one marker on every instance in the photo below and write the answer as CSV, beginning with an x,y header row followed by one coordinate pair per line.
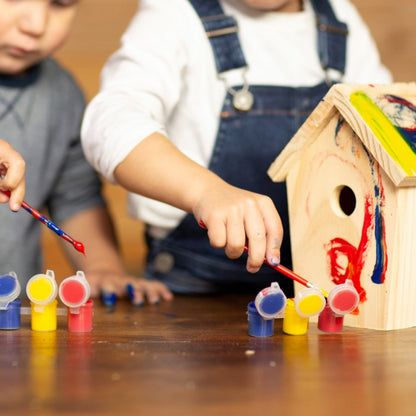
x,y
163,79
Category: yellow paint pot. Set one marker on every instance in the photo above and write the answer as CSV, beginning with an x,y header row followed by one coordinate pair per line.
x,y
293,323
309,302
44,317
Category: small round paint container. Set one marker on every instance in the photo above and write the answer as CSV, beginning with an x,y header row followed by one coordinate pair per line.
x,y
42,289
271,301
309,302
257,325
44,317
74,291
9,289
293,323
9,304
343,298
10,317
329,321
81,321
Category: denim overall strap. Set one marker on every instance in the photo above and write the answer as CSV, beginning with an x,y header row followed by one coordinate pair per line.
x,y
222,32
332,36
228,55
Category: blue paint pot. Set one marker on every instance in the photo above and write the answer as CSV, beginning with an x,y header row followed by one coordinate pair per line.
x,y
9,289
271,301
257,325
10,317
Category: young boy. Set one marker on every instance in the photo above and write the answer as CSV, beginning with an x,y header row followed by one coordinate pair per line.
x,y
12,175
196,104
41,108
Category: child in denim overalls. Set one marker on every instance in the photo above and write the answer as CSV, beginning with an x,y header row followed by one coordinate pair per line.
x,y
165,81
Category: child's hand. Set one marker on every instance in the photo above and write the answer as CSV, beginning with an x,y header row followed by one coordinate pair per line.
x,y
12,176
235,218
111,286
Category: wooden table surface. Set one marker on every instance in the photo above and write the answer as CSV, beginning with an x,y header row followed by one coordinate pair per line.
x,y
193,356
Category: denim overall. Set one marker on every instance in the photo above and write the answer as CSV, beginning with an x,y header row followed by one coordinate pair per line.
x,y
247,143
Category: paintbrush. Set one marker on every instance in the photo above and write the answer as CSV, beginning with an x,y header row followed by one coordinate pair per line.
x,y
77,244
289,273
282,269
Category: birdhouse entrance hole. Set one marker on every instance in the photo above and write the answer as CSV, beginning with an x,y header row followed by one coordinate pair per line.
x,y
344,201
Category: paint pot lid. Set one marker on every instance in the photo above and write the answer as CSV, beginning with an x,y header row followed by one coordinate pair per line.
x,y
74,291
309,302
343,298
9,289
42,289
271,302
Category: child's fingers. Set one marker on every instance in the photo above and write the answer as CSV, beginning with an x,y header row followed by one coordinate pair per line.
x,y
256,239
136,295
106,292
153,295
274,234
104,287
164,292
235,237
16,197
153,291
156,291
108,298
12,178
217,232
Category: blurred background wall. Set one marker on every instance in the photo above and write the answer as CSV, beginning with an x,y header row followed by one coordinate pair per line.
x,y
96,35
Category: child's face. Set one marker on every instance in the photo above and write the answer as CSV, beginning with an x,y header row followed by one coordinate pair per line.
x,y
31,30
275,5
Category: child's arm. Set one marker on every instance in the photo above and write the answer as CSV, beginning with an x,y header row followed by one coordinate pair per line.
x,y
103,265
12,176
157,169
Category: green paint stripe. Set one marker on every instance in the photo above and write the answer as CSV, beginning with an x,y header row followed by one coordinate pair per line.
x,y
385,131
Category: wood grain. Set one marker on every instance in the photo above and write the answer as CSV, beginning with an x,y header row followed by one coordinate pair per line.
x,y
193,356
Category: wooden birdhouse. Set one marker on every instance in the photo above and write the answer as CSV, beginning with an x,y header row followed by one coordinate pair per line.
x,y
351,179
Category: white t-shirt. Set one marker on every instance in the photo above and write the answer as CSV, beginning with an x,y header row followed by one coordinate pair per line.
x,y
163,79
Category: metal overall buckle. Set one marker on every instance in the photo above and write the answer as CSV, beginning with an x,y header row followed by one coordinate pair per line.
x,y
242,99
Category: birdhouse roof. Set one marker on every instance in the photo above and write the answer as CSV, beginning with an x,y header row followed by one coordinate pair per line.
x,y
382,116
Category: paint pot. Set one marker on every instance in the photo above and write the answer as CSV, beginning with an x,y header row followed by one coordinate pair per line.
x,y
9,305
9,289
271,301
81,321
293,323
329,321
74,291
309,302
44,317
42,289
10,317
257,325
343,298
